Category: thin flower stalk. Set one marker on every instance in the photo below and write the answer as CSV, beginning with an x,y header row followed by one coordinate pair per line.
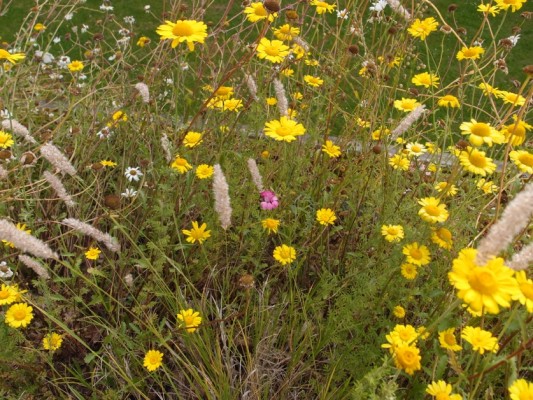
x,y
110,242
522,259
222,199
24,241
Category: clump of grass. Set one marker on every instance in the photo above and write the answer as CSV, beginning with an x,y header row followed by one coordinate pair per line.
x,y
265,201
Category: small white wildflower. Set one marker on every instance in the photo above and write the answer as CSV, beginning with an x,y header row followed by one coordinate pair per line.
x,y
84,28
112,58
378,6
55,76
147,9
69,16
5,271
5,114
514,39
56,39
129,193
124,41
169,81
124,32
342,14
104,7
104,133
63,61
133,174
129,19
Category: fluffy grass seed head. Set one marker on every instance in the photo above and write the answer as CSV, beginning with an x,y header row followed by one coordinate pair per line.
x,y
326,216
392,233
331,149
483,288
34,265
57,159
22,240
197,233
521,390
432,210
416,254
222,198
19,315
52,341
480,339
422,28
153,360
441,390
284,129
189,31
110,242
256,175
189,319
448,340
284,254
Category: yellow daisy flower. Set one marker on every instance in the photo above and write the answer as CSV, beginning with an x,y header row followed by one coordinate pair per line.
x,y
284,254
190,319
189,31
272,50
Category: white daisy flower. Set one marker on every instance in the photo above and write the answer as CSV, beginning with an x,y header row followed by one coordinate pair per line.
x,y
133,174
129,193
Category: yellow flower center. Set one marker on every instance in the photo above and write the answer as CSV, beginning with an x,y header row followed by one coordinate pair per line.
x,y
392,231
4,54
182,28
468,53
415,149
19,314
153,359
4,294
527,290
526,159
272,50
180,162
283,131
480,129
478,160
407,357
188,320
482,281
285,254
416,254
516,130
449,339
444,235
434,211
260,11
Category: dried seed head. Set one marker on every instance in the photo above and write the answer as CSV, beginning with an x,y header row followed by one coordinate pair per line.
x,y
97,166
516,30
28,158
272,5
462,145
414,91
112,201
5,154
446,29
354,49
98,36
452,7
246,281
376,149
506,43
291,15
392,30
528,69
527,14
461,31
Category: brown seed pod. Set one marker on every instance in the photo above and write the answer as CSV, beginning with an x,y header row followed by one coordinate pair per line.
x,y
354,49
5,154
112,201
272,5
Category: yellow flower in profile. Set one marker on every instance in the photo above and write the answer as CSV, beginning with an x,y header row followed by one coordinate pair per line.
x,y
189,31
425,79
470,53
449,101
271,225
120,116
192,139
39,27
417,254
143,41
523,160
181,165
398,161
392,233
516,131
322,6
284,129
8,295
314,81
481,133
380,133
108,163
449,190
525,295
406,105
52,341
12,58
409,271
488,9
190,319
511,98
75,66
230,105
204,171
286,32
398,312
484,288
6,140
514,4
284,254
480,339
407,358
442,391
331,149
287,72
153,360
486,187
421,29
401,334
432,210
272,50
488,89
448,341
521,390
93,253
326,216
19,315
197,233
475,161
256,12
442,237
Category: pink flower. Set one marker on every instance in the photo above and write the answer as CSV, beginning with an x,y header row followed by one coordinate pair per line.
x,y
269,200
